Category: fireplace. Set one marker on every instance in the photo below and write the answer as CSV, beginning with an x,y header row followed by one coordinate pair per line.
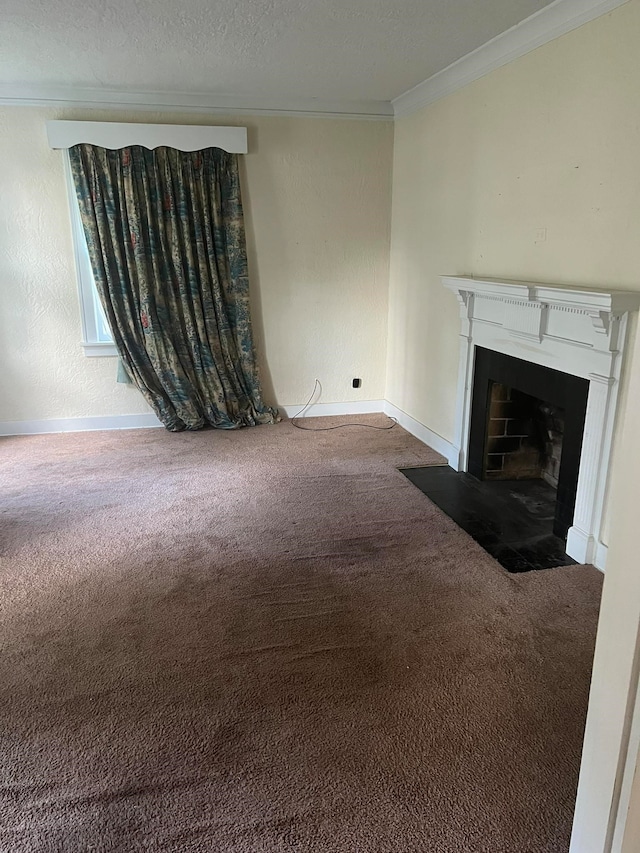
x,y
527,422
564,347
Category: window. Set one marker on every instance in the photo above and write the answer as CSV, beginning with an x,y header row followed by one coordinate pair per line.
x,y
96,334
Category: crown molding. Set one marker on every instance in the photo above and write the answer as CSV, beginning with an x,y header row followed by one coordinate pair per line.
x,y
549,23
184,102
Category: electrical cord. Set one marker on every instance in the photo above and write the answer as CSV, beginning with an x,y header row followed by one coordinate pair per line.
x,y
337,426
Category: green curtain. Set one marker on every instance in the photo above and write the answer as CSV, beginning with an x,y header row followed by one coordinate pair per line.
x,y
165,232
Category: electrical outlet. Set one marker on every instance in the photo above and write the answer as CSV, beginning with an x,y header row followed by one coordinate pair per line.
x,y
541,235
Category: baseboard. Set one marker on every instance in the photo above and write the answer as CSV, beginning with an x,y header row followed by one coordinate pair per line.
x,y
582,548
39,427
580,545
600,559
320,410
357,407
585,548
78,424
422,432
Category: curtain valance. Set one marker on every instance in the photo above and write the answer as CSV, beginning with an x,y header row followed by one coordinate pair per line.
x,y
115,135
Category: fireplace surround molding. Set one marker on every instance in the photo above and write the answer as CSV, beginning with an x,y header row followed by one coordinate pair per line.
x,y
580,331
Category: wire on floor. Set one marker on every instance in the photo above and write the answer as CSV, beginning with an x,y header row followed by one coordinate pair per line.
x,y
337,426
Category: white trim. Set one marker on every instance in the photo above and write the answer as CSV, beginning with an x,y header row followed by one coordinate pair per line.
x,y
317,410
575,330
108,422
580,545
552,21
197,102
549,23
321,410
99,350
600,559
589,300
423,433
105,422
115,134
630,779
452,453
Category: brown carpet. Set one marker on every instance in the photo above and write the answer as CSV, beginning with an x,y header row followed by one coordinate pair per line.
x,y
269,640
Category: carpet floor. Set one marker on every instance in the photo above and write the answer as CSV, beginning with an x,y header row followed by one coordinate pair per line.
x,y
269,640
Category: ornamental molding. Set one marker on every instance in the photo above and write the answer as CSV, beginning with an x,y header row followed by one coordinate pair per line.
x,y
545,25
569,297
576,330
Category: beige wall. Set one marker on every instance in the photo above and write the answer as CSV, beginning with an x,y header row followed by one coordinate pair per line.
x,y
615,666
317,205
550,141
631,839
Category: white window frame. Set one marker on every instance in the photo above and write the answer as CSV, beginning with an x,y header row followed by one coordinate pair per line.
x,y
96,337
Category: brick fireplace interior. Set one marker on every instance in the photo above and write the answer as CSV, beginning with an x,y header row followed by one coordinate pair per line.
x,y
524,437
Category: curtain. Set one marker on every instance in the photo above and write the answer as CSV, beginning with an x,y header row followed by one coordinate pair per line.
x,y
165,232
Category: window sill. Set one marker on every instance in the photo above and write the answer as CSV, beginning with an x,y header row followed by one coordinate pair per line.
x,y
99,350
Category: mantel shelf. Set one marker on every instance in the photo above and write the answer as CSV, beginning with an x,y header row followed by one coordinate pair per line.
x,y
583,299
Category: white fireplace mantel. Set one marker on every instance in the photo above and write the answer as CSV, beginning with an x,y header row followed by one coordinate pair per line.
x,y
575,330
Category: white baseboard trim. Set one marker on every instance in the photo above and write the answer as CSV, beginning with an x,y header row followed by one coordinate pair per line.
x,y
41,427
585,548
78,424
422,432
600,559
320,410
580,545
317,410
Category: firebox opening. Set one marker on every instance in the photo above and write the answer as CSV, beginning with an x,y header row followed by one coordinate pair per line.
x,y
524,436
540,427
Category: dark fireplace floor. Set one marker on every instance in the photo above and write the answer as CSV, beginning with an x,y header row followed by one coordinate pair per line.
x,y
511,519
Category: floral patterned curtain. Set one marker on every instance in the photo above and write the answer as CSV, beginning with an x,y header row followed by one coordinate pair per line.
x,y
165,232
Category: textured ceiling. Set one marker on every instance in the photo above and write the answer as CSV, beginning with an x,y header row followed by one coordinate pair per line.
x,y
325,49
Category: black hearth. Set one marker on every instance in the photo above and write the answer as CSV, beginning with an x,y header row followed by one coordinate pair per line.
x,y
518,498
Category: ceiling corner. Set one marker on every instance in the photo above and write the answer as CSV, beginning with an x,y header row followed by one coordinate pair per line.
x,y
549,23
